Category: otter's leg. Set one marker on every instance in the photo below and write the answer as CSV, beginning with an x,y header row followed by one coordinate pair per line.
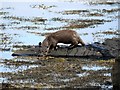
x,y
53,46
71,46
74,44
57,46
81,42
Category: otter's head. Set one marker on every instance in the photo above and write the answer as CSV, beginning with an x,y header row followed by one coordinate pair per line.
x,y
45,47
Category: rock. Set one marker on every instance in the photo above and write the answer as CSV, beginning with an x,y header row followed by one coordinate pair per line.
x,y
116,74
109,49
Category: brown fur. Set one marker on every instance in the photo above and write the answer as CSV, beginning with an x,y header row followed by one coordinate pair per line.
x,y
62,36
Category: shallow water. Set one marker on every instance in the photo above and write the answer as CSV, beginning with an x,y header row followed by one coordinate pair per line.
x,y
13,68
19,26
24,10
95,68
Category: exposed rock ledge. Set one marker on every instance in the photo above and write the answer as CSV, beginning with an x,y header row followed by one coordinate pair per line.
x,y
108,49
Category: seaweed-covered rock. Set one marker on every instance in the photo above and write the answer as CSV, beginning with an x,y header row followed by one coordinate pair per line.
x,y
116,74
110,48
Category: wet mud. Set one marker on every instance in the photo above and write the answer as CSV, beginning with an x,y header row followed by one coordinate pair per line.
x,y
60,73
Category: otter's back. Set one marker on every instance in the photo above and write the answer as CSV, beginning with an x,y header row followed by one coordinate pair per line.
x,y
64,36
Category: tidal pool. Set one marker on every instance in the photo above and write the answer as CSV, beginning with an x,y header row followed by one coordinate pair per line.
x,y
95,68
15,69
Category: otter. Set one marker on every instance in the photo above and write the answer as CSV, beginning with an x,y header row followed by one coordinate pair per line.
x,y
62,36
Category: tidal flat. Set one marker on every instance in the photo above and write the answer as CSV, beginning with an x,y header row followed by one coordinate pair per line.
x,y
25,24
